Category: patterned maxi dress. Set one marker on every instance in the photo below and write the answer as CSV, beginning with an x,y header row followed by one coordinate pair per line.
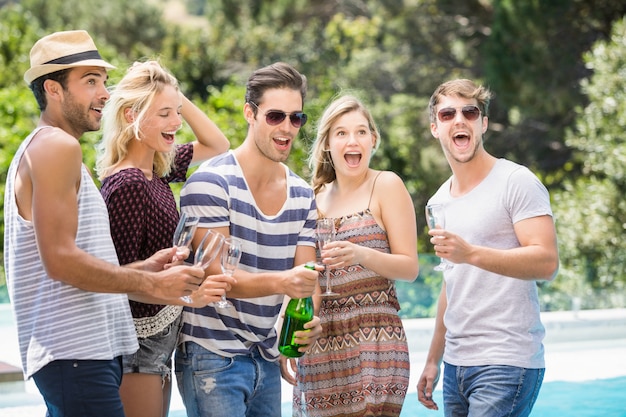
x,y
360,364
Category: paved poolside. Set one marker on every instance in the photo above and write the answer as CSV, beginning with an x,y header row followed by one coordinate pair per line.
x,y
580,346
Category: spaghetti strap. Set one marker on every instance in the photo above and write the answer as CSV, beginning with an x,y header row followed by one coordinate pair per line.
x,y
372,192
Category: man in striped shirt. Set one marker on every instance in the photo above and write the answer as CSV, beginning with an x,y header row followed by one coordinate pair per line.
x,y
65,283
227,362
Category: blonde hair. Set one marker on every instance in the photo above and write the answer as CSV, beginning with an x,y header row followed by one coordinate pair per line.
x,y
135,91
320,161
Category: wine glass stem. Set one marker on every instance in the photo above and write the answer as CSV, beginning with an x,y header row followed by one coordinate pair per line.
x,y
228,273
327,275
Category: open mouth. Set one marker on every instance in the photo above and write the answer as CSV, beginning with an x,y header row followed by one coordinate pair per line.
x,y
353,158
282,142
461,139
168,136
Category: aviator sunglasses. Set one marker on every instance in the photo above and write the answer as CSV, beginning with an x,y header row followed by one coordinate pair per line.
x,y
470,112
276,117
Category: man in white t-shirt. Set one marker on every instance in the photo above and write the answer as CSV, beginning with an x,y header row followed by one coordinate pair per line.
x,y
500,237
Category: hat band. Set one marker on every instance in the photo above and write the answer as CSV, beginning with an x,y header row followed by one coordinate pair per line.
x,y
70,59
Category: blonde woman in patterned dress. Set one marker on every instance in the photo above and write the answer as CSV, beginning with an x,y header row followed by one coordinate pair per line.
x,y
359,366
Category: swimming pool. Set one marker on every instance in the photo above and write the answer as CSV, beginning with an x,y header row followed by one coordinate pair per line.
x,y
585,373
597,398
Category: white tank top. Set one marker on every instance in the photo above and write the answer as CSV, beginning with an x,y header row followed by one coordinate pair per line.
x,y
56,320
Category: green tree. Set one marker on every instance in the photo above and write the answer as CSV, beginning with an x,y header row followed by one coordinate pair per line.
x,y
393,54
133,29
532,61
17,35
591,210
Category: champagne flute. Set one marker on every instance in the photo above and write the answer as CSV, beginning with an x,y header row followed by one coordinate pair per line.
x,y
325,231
183,235
207,251
435,218
231,254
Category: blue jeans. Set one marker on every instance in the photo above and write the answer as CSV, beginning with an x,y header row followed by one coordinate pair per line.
x,y
218,386
78,388
490,391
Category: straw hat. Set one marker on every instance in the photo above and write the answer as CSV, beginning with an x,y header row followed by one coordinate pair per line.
x,y
62,50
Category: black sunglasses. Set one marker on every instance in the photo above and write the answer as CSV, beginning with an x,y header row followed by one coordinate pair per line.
x,y
276,117
471,113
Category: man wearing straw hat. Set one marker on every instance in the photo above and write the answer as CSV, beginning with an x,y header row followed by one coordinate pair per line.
x,y
67,290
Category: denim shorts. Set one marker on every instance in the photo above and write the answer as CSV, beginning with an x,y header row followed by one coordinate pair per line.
x,y
490,391
155,352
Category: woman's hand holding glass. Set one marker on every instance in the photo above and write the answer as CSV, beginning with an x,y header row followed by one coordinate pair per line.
x,y
183,235
212,290
207,251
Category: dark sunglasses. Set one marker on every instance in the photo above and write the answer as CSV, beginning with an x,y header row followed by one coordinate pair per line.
x,y
471,113
276,117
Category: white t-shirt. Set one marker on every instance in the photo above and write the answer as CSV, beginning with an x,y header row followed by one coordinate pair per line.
x,y
493,319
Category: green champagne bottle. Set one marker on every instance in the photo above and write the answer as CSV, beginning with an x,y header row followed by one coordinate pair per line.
x,y
298,312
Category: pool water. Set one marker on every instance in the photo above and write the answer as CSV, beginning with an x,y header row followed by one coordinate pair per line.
x,y
595,398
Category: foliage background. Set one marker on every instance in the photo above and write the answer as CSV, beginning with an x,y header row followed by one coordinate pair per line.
x,y
557,69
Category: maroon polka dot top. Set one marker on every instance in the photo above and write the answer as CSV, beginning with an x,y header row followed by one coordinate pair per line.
x,y
143,214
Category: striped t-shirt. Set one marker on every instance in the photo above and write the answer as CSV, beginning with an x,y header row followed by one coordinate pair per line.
x,y
55,320
219,194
